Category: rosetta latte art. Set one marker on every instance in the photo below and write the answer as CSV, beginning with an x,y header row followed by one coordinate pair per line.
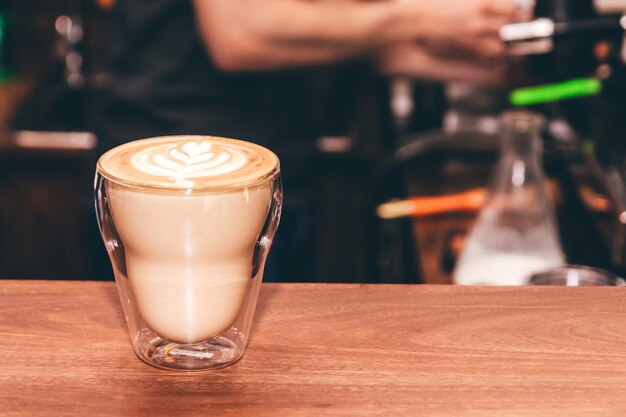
x,y
189,163
188,159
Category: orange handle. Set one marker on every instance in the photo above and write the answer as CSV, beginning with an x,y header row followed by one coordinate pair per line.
x,y
470,200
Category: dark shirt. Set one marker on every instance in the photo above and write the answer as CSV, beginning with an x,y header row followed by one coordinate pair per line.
x,y
162,82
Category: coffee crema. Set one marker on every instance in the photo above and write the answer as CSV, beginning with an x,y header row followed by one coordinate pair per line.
x,y
193,163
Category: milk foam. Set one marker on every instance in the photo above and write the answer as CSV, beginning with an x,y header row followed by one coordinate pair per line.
x,y
189,159
188,162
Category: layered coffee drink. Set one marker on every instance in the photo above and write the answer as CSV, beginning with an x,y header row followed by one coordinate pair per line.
x,y
190,223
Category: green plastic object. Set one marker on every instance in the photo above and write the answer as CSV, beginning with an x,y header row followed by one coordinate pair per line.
x,y
7,20
548,93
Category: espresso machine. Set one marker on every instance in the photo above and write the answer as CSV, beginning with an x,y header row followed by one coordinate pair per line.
x,y
573,56
567,63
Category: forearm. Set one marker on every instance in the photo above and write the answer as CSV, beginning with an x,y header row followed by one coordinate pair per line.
x,y
275,34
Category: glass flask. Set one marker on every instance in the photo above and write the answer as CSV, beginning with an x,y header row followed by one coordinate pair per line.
x,y
515,234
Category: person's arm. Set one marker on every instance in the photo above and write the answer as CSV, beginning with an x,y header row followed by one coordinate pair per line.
x,y
248,35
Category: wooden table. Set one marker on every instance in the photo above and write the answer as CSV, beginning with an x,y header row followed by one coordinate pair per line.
x,y
328,349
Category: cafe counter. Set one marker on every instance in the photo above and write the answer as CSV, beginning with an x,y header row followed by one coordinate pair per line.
x,y
328,349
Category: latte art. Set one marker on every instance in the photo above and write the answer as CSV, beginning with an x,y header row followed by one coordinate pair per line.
x,y
189,163
188,160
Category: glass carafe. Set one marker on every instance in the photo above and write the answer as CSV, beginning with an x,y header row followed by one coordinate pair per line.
x,y
515,234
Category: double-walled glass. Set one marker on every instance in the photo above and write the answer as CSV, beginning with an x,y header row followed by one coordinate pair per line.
x,y
188,262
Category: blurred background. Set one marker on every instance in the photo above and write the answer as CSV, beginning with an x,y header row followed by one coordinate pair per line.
x,y
380,139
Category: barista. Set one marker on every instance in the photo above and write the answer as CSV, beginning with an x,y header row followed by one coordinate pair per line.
x,y
246,69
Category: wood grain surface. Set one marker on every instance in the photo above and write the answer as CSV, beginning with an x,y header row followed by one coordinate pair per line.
x,y
328,350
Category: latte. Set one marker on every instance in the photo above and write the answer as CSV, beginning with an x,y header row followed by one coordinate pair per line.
x,y
188,213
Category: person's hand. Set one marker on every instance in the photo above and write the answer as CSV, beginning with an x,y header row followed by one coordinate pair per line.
x,y
464,28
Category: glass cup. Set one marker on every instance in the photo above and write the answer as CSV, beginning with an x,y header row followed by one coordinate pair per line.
x,y
576,275
188,243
